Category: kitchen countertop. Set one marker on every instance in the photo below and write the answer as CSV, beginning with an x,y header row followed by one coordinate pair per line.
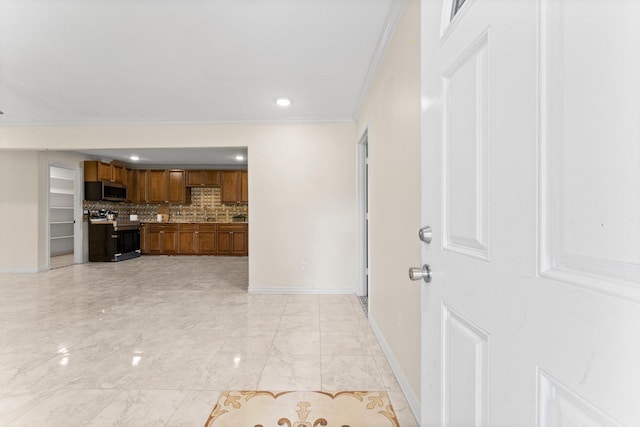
x,y
106,221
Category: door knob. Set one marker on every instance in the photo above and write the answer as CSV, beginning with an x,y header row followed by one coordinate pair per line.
x,y
425,234
424,273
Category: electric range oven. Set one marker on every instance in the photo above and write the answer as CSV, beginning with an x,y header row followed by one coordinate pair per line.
x,y
114,240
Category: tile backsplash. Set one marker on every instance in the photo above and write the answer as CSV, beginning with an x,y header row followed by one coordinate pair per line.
x,y
205,206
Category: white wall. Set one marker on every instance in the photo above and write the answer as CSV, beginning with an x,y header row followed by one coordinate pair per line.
x,y
301,191
19,231
391,114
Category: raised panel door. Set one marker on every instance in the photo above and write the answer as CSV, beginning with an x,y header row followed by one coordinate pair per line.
x,y
194,178
206,239
154,241
210,178
239,243
156,186
230,182
128,182
104,171
139,186
175,186
144,238
244,187
170,240
224,242
118,174
187,240
531,176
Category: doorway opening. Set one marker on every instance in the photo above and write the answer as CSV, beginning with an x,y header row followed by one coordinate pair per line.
x,y
62,201
363,221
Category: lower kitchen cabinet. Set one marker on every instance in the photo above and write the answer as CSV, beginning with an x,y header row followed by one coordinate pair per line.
x,y
161,239
232,239
195,239
187,238
206,243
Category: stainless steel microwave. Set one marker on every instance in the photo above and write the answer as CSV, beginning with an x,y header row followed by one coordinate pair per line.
x,y
100,190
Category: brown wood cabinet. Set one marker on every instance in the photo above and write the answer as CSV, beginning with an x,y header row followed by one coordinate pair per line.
x,y
95,170
176,190
235,187
161,239
144,229
187,238
138,189
203,178
232,239
157,186
194,239
206,243
166,186
118,174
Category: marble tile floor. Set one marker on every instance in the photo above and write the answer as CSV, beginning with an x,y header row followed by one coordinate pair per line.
x,y
152,341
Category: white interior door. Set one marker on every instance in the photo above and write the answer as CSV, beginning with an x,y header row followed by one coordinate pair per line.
x,y
531,183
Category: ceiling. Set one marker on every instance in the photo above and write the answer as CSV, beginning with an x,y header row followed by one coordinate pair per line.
x,y
195,61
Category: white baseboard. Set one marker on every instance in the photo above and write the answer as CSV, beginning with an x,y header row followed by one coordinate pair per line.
x,y
300,291
412,400
19,271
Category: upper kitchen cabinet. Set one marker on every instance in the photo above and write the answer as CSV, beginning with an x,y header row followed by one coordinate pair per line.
x,y
203,178
235,187
95,170
176,189
166,186
118,174
138,189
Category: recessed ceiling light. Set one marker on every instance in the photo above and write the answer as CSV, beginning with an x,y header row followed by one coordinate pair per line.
x,y
283,102
239,157
134,158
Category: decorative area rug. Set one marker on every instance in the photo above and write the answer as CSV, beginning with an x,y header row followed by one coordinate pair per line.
x,y
303,409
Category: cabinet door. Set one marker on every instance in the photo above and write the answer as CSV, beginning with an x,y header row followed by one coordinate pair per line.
x,y
223,240
175,186
202,178
117,174
239,243
244,187
139,186
194,178
128,182
156,186
95,170
207,239
134,192
230,183
144,230
211,178
187,239
104,172
170,240
154,240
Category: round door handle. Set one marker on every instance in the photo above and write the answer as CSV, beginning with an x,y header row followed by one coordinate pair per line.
x,y
425,234
424,273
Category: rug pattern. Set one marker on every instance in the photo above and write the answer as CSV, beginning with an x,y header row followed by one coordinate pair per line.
x,y
303,409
